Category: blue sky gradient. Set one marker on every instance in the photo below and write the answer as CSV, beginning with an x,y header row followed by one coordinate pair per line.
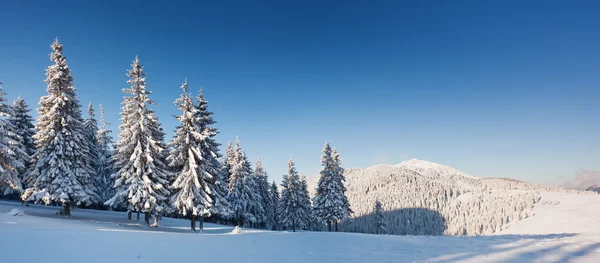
x,y
492,88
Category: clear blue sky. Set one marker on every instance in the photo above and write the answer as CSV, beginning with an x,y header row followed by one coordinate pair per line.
x,y
493,88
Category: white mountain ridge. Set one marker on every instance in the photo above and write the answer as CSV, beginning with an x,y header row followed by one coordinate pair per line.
x,y
422,197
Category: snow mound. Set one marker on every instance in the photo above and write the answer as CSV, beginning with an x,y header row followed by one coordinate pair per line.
x,y
237,230
16,212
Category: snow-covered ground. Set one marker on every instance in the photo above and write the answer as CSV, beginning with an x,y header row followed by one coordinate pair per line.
x,y
565,228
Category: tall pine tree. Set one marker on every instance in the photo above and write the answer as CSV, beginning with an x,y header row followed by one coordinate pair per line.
x,y
265,195
12,149
330,202
306,212
323,201
274,196
239,195
90,127
141,173
211,155
343,210
60,170
255,213
23,124
192,194
291,212
105,163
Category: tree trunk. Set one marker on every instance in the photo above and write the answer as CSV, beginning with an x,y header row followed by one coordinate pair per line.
x,y
193,219
147,218
129,214
156,216
240,221
138,216
66,209
294,226
336,226
201,223
329,225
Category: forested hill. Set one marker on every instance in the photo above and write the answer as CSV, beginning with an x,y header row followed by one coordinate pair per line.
x,y
421,197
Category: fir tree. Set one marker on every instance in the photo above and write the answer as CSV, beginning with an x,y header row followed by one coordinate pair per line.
x,y
12,149
324,200
90,127
105,163
141,173
60,170
226,163
238,192
342,211
291,213
265,196
306,212
23,124
380,224
192,194
274,195
330,201
211,155
255,212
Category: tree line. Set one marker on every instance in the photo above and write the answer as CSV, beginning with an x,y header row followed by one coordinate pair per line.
x,y
67,159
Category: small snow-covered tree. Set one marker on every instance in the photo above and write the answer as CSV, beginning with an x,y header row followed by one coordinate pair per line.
x,y
261,176
105,163
60,170
380,223
255,212
192,194
306,212
12,149
291,213
274,195
238,192
141,171
23,124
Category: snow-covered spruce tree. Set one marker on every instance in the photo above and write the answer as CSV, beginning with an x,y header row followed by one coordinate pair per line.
x,y
211,163
305,206
12,149
105,163
265,196
380,223
23,124
90,127
238,192
60,170
291,213
191,193
229,154
274,195
221,210
325,202
141,172
254,216
342,211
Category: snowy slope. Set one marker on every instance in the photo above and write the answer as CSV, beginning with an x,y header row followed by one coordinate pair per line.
x,y
560,212
96,236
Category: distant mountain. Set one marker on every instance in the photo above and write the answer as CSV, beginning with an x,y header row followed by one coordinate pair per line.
x,y
425,198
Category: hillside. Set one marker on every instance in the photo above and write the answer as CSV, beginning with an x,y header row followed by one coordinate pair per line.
x,y
422,197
